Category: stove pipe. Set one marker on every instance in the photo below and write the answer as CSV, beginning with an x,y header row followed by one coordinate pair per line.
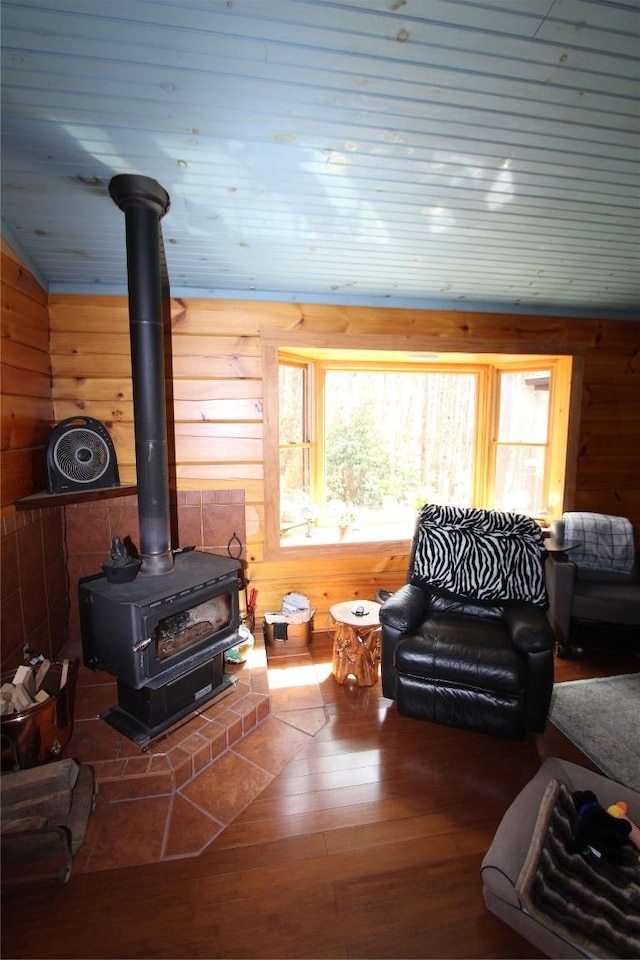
x,y
144,202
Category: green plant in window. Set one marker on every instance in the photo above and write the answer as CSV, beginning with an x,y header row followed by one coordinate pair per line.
x,y
347,518
356,463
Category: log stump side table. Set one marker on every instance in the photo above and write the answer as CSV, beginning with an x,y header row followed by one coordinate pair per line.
x,y
356,641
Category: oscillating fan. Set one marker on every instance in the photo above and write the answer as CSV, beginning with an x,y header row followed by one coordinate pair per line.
x,y
80,456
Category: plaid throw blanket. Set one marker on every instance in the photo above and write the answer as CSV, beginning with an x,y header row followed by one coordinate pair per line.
x,y
606,542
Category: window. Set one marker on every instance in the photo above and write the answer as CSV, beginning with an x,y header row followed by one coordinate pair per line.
x,y
381,431
296,488
520,459
364,439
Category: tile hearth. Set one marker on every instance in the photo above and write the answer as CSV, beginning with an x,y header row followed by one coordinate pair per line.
x,y
172,800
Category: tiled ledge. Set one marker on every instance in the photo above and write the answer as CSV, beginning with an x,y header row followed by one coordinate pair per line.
x,y
172,801
123,771
185,754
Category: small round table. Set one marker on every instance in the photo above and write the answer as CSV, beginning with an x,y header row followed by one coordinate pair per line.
x,y
356,641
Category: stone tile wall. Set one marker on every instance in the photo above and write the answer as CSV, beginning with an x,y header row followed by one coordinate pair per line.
x,y
34,590
45,552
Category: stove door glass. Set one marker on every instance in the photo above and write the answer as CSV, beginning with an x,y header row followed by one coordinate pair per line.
x,y
176,633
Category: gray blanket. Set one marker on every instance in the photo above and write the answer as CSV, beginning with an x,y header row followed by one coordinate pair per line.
x,y
606,543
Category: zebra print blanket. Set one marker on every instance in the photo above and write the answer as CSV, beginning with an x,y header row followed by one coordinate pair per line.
x,y
474,554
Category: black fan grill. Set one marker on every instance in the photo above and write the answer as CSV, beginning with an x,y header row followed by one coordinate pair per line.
x,y
81,456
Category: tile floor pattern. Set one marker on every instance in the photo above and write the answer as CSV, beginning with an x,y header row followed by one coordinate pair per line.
x,y
173,800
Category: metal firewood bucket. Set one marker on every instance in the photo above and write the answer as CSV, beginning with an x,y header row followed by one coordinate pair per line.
x,y
41,732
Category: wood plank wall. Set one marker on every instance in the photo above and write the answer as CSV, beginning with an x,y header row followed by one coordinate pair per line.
x,y
216,361
217,386
27,405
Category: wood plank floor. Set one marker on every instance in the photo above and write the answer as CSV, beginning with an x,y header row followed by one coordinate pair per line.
x,y
368,844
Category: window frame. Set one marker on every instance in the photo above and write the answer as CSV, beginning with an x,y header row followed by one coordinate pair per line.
x,y
309,417
553,427
565,403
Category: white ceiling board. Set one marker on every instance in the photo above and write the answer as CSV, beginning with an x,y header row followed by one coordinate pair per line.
x,y
357,151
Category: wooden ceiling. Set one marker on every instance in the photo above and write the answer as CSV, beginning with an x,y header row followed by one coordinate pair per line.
x,y
471,154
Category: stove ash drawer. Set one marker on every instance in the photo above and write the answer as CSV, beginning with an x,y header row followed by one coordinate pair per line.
x,y
153,705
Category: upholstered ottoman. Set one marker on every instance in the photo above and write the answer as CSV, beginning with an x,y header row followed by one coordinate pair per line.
x,y
510,855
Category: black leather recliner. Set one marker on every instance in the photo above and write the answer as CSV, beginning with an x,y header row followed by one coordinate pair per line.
x,y
466,642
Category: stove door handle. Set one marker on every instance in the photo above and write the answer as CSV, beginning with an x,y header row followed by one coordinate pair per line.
x,y
142,645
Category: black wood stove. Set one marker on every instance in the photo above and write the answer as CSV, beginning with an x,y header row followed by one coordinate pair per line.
x,y
162,635
163,638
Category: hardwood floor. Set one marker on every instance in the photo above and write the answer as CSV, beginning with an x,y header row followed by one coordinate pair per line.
x,y
368,844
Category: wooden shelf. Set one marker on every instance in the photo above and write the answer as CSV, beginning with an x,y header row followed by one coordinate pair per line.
x,y
45,499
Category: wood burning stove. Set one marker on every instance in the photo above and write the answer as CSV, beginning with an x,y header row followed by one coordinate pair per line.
x,y
163,638
162,635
